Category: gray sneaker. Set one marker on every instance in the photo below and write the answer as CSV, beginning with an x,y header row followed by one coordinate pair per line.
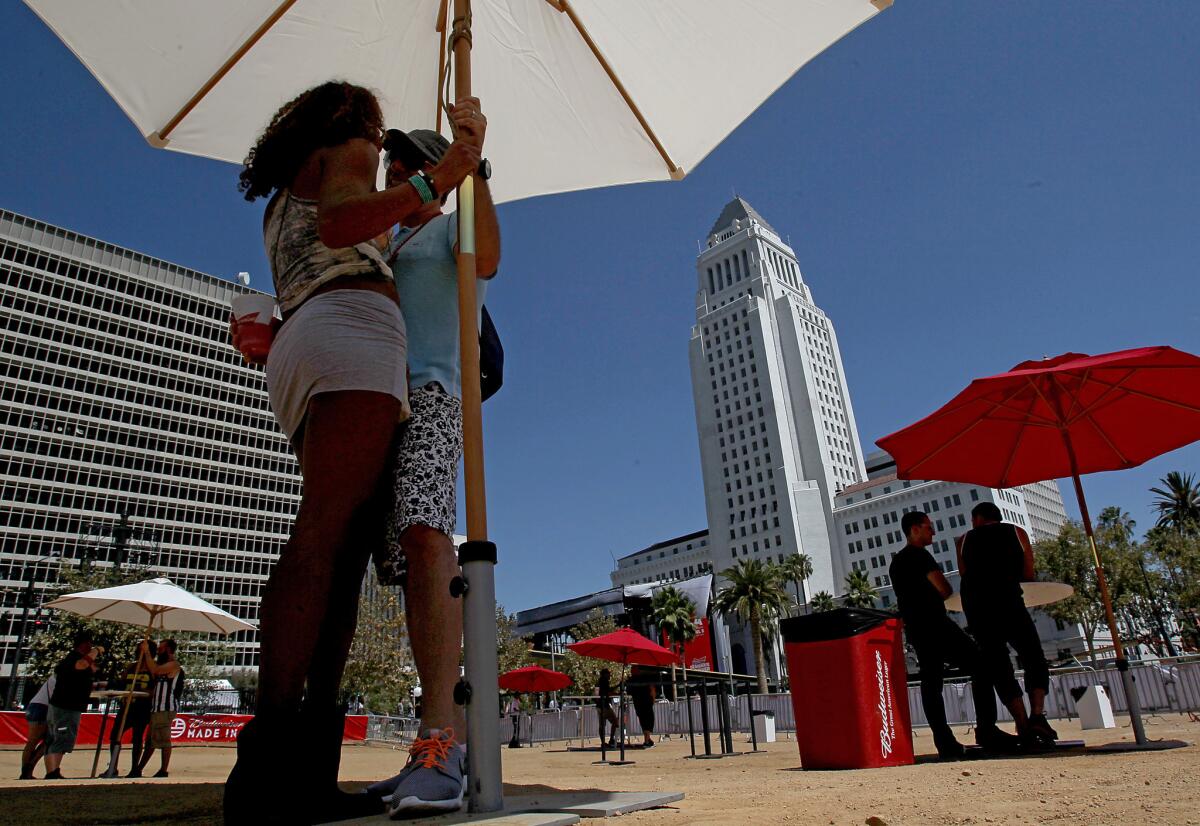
x,y
434,781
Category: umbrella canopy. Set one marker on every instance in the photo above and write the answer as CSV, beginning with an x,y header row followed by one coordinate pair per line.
x,y
155,603
624,646
595,92
1062,416
1057,417
533,678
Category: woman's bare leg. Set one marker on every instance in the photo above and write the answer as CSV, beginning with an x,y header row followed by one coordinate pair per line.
x,y
347,441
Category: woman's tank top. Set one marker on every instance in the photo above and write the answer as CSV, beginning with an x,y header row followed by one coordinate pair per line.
x,y
300,263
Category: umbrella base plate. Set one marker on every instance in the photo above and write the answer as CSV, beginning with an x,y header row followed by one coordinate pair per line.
x,y
550,809
589,804
1153,745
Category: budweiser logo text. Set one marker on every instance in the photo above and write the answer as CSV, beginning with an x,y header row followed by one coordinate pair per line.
x,y
887,716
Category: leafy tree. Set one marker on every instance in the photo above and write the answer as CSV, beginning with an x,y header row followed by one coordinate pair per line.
x,y
675,615
1178,502
511,651
1068,558
823,601
1173,558
797,568
379,668
585,671
860,593
754,592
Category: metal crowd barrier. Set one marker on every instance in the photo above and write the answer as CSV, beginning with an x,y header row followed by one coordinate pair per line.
x,y
1168,686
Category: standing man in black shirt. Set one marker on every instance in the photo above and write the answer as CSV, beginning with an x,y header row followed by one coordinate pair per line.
x,y
921,591
994,558
72,691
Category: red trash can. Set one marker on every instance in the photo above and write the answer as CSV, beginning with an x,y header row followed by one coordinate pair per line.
x,y
849,689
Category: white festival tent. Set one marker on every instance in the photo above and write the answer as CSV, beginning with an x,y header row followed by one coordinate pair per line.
x,y
578,93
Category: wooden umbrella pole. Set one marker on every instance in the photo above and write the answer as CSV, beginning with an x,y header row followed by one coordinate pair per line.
x,y
1127,681
477,555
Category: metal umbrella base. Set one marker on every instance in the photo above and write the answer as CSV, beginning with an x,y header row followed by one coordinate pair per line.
x,y
551,808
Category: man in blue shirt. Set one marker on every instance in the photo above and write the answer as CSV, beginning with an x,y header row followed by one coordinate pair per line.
x,y
420,553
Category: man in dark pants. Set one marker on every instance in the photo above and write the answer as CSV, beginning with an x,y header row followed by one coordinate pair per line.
x,y
921,591
994,558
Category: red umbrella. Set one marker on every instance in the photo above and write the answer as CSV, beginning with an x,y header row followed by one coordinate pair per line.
x,y
627,647
533,679
624,646
1060,417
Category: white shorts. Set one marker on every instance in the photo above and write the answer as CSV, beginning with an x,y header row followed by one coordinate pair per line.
x,y
339,340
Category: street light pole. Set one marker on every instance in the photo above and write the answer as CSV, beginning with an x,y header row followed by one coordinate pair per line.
x,y
28,574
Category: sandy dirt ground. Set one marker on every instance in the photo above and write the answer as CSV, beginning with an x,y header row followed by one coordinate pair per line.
x,y
770,788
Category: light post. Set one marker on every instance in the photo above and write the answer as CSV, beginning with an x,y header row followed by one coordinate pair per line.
x,y
29,574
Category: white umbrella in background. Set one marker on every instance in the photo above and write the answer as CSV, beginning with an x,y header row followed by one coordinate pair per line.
x,y
159,605
579,94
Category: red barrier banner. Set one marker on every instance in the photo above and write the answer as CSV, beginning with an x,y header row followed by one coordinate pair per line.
x,y
695,653
186,729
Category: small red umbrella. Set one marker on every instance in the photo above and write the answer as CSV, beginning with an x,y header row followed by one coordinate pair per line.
x,y
624,646
533,679
1059,417
627,647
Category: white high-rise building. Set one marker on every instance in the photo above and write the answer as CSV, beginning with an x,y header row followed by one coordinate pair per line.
x,y
776,427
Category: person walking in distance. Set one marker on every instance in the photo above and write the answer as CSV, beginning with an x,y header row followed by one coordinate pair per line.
x,y
921,591
604,707
336,377
994,558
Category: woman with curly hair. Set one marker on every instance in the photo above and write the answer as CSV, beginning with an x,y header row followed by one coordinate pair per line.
x,y
336,380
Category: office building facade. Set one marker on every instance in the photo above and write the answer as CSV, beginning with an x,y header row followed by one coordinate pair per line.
x,y
121,396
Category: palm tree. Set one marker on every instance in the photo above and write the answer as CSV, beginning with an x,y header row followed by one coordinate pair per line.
x,y
755,593
823,601
675,615
859,591
797,568
1178,502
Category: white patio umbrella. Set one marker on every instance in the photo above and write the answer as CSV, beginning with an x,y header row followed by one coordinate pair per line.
x,y
579,93
158,604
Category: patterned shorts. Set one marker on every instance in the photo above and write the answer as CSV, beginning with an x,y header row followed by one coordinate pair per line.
x,y
426,474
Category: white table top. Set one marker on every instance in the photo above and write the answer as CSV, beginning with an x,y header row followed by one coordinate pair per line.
x,y
1035,593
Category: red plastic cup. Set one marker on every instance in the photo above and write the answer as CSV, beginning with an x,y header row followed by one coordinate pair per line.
x,y
253,316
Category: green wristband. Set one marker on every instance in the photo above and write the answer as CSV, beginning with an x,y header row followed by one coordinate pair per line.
x,y
422,188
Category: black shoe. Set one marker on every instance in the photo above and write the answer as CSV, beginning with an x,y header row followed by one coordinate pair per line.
x,y
134,773
160,773
1040,727
54,775
26,775
949,749
318,774
995,740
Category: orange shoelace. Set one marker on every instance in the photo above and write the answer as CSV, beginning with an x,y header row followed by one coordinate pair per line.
x,y
432,752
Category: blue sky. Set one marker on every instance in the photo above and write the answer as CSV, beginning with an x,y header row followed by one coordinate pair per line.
x,y
967,185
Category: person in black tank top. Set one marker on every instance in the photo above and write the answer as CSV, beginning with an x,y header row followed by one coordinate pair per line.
x,y
994,559
921,590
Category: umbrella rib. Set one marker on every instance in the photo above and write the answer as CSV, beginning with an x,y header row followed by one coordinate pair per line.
x,y
1012,456
159,138
564,6
1107,440
913,467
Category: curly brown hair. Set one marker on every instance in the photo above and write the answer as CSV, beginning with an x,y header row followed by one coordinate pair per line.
x,y
326,115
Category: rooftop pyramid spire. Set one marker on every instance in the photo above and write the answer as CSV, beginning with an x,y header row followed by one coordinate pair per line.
x,y
738,209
